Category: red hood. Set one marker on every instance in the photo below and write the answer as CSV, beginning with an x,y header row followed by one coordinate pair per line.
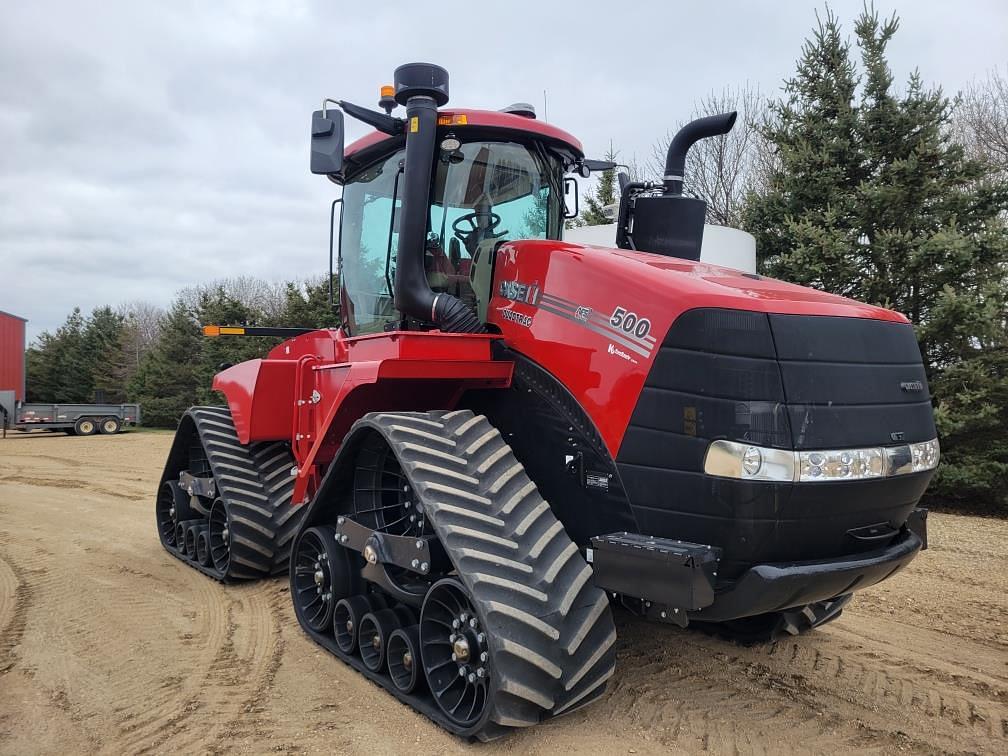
x,y
705,285
567,306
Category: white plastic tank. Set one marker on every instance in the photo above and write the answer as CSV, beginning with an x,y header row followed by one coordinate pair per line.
x,y
725,246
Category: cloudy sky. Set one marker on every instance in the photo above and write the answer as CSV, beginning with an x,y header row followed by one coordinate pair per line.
x,y
148,146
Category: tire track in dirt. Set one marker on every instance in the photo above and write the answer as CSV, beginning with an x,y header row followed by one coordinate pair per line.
x,y
221,699
691,690
15,597
200,638
692,693
40,482
252,719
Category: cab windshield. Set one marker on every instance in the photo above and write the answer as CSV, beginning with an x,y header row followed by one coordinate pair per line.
x,y
482,194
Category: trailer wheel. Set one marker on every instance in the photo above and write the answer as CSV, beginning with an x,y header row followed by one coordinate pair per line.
x,y
110,425
85,426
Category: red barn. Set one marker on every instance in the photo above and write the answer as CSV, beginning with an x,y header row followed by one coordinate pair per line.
x,y
12,354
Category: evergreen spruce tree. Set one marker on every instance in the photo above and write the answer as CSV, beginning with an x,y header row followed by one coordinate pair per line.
x,y
40,369
604,194
872,199
307,305
166,383
219,308
100,342
70,363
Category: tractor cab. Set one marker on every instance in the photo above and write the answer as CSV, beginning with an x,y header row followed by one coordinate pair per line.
x,y
427,199
485,188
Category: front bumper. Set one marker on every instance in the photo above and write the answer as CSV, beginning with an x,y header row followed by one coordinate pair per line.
x,y
677,581
774,587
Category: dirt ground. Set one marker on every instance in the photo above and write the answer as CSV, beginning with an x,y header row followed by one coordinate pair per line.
x,y
110,645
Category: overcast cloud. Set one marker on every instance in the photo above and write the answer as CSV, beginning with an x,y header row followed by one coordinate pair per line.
x,y
145,147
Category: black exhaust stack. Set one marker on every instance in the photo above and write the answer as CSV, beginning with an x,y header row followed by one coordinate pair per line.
x,y
669,223
422,88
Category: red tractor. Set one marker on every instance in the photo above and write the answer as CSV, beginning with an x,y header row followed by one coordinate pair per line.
x,y
508,434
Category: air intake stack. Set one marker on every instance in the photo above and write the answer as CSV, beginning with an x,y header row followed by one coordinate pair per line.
x,y
421,88
668,223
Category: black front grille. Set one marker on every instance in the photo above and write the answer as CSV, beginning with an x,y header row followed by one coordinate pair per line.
x,y
847,381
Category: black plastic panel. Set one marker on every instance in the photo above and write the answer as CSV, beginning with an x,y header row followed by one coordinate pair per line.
x,y
757,378
764,423
673,573
760,522
838,426
832,339
723,332
839,383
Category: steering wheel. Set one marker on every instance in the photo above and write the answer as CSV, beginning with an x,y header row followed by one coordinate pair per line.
x,y
467,225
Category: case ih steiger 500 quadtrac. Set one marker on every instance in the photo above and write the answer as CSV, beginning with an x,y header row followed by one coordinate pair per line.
x,y
509,433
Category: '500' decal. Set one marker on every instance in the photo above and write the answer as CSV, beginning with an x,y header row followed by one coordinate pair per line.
x,y
630,322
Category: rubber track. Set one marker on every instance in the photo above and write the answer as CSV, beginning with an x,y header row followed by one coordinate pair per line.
x,y
255,482
552,633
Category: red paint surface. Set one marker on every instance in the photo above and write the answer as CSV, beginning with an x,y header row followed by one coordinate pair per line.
x,y
12,354
312,388
484,118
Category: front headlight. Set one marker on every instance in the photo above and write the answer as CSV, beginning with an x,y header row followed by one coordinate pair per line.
x,y
732,459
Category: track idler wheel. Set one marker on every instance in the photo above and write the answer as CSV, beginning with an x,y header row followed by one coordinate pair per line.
x,y
375,629
347,618
203,548
403,652
172,507
181,529
219,536
192,533
455,653
321,574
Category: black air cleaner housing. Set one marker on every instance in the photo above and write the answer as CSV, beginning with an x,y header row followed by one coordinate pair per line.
x,y
421,80
669,224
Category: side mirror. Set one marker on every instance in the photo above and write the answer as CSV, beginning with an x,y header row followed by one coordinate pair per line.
x,y
569,184
327,141
597,165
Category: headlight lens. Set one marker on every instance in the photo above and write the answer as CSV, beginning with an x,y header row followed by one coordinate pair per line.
x,y
731,459
841,464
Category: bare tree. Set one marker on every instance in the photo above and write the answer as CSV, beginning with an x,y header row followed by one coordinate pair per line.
x,y
145,318
264,297
981,120
723,170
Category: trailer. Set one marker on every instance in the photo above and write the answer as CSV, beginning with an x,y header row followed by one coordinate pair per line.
x,y
74,419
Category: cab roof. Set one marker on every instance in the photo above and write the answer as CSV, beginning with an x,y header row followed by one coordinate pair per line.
x,y
466,119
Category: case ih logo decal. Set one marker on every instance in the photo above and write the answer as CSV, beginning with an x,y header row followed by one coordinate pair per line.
x,y
517,291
